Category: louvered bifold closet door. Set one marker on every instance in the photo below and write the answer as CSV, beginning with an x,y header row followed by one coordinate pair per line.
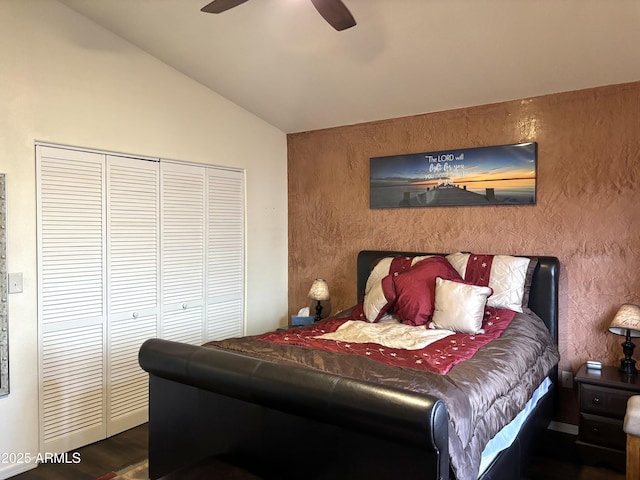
x,y
133,265
72,299
183,252
225,254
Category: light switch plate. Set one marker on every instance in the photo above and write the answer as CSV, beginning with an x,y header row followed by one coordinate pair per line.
x,y
15,282
567,379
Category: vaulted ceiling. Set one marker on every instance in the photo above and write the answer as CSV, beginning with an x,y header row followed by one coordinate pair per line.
x,y
281,61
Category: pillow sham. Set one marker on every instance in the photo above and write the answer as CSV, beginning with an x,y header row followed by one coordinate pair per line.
x,y
459,306
379,295
379,299
509,277
415,289
374,298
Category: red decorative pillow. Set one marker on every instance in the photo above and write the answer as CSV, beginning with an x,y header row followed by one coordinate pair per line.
x,y
415,289
379,294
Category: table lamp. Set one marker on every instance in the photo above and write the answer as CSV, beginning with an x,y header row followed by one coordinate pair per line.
x,y
319,292
627,323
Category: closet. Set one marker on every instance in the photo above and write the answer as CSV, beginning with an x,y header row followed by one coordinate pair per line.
x,y
128,249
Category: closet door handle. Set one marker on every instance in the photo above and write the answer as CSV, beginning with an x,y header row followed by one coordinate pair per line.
x,y
134,314
184,306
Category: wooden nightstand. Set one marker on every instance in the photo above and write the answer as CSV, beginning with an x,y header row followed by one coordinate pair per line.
x,y
603,399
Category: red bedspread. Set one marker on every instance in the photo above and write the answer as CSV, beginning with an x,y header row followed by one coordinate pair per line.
x,y
438,357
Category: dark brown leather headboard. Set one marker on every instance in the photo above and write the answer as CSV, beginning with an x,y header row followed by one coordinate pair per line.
x,y
543,299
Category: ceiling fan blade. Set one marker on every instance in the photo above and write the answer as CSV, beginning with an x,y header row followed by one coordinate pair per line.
x,y
219,6
335,13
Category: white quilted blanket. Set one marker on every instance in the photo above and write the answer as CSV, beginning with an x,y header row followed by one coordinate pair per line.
x,y
389,333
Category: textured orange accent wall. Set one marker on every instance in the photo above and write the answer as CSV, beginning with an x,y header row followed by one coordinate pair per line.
x,y
587,211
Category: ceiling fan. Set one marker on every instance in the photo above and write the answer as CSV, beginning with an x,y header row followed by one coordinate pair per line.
x,y
333,11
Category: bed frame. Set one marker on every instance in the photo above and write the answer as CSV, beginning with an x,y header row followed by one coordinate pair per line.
x,y
289,422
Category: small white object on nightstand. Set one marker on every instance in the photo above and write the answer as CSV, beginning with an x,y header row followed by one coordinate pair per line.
x,y
594,365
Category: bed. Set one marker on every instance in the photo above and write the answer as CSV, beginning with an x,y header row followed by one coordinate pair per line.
x,y
279,409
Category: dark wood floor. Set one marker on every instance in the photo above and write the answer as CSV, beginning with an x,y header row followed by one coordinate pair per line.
x,y
558,459
111,455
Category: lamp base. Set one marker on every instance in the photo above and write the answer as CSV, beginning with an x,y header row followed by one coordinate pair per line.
x,y
318,316
628,366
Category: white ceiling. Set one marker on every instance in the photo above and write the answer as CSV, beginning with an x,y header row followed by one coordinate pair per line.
x,y
281,61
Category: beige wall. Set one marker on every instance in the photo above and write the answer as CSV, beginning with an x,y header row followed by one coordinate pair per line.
x,y
587,211
65,80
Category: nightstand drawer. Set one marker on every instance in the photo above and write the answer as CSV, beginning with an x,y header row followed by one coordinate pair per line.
x,y
604,401
602,431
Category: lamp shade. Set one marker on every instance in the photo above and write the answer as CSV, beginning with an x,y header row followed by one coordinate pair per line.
x,y
627,318
319,290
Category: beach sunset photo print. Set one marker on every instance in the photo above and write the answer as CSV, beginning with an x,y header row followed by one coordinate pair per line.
x,y
497,175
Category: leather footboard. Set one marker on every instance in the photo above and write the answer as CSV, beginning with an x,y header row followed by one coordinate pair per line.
x,y
283,421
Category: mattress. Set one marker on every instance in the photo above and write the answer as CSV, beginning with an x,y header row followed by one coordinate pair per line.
x,y
505,437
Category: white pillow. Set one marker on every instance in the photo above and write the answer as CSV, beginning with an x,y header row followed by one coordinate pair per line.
x,y
508,278
376,303
374,299
459,307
